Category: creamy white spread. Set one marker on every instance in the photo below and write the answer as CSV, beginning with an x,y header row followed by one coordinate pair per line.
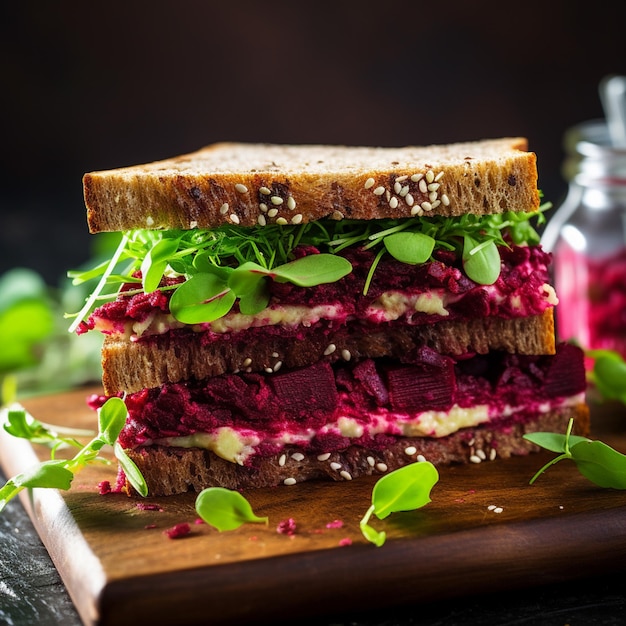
x,y
275,316
389,306
392,305
236,445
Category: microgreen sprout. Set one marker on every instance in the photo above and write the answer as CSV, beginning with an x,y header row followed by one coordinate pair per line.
x,y
207,296
225,509
234,263
595,460
405,489
481,261
59,473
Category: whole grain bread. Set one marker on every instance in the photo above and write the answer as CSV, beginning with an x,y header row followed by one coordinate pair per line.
x,y
169,471
250,184
178,356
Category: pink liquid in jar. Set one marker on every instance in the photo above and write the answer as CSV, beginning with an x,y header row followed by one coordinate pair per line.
x,y
592,298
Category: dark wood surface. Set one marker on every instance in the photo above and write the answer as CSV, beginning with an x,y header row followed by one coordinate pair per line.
x,y
119,567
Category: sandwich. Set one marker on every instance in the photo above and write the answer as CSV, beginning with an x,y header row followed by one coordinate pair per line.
x,y
281,313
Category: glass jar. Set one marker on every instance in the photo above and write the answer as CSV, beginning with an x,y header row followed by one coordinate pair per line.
x,y
587,236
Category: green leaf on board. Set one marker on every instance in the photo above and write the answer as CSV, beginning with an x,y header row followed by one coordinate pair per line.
x,y
598,462
405,489
225,509
59,473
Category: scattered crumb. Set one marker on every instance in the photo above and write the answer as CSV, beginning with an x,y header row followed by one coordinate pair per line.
x,y
335,524
120,481
469,492
150,526
253,538
287,527
104,487
495,509
178,531
144,506
346,541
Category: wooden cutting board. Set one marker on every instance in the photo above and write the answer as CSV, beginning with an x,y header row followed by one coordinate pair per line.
x,y
121,568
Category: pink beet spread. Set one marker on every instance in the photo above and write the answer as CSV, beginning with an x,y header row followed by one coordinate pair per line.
x,y
305,398
517,292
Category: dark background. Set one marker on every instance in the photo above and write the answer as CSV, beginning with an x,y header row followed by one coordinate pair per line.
x,y
95,85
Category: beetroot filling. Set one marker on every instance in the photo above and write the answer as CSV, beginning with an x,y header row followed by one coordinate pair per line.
x,y
524,272
310,397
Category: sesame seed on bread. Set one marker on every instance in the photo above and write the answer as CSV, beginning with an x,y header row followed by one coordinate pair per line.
x,y
258,184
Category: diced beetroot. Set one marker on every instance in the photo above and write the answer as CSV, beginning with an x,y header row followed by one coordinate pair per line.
x,y
428,385
142,305
438,272
95,401
431,357
311,397
517,372
476,303
84,327
311,387
566,374
178,531
367,374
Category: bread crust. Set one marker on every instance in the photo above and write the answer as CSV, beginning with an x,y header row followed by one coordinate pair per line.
x,y
173,357
244,183
169,471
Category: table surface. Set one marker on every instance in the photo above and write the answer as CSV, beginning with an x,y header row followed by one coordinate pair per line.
x,y
31,592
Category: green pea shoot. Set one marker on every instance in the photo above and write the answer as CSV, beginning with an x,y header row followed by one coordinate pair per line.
x,y
59,473
405,489
231,263
595,460
225,509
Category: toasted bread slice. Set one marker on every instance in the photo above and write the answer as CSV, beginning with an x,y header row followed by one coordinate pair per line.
x,y
170,358
258,184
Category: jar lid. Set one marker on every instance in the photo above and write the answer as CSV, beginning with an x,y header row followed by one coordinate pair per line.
x,y
591,159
